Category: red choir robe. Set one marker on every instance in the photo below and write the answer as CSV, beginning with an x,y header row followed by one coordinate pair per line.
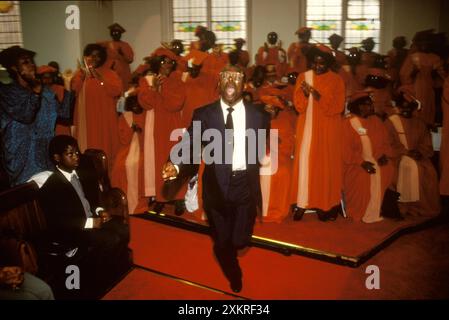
x,y
365,140
417,70
215,62
95,119
317,170
276,56
120,56
243,60
275,184
368,59
382,100
296,57
396,59
340,57
167,103
61,129
354,78
128,170
252,90
444,152
417,181
200,91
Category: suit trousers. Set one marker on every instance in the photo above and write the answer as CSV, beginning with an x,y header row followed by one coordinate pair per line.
x,y
232,224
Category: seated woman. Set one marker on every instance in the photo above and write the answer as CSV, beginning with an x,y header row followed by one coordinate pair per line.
x,y
15,282
18,285
367,172
412,146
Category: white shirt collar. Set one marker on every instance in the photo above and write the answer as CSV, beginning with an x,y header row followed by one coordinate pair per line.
x,y
237,106
68,175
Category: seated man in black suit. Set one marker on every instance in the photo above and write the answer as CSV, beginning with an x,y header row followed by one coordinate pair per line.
x,y
70,201
232,195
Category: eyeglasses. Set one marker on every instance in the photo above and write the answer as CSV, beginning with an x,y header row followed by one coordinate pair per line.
x,y
172,62
231,75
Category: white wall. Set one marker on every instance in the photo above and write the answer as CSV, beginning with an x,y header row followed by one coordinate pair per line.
x,y
96,16
142,20
406,17
43,25
281,16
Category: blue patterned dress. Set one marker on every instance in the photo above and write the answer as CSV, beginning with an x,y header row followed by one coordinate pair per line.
x,y
27,124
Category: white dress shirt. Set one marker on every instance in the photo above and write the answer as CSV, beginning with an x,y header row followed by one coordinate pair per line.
x,y
239,122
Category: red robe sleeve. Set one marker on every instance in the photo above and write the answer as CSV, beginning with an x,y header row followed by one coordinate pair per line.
x,y
299,99
77,81
424,146
332,99
127,51
397,147
125,131
385,138
352,152
171,98
112,83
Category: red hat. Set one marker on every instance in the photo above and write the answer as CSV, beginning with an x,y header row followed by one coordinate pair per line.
x,y
116,26
360,95
196,57
45,69
161,51
303,30
353,50
324,48
378,73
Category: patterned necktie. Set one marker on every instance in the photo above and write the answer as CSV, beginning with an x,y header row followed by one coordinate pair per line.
x,y
229,122
79,190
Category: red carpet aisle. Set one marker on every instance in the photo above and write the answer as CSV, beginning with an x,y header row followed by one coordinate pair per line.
x,y
143,285
413,267
267,274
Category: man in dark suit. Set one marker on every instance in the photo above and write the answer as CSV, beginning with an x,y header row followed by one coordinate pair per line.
x,y
70,201
232,195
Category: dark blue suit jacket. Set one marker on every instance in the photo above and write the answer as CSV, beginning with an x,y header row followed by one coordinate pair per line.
x,y
216,177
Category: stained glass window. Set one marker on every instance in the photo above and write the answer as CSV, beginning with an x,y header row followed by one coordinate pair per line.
x,y
226,18
362,22
10,26
355,20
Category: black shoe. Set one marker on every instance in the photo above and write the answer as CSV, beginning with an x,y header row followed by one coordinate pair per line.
x,y
179,208
158,207
236,285
322,215
298,213
333,213
151,201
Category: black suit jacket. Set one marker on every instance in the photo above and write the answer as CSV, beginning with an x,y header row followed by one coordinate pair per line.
x,y
216,177
62,207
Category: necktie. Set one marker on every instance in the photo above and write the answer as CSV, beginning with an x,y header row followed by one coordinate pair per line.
x,y
229,122
79,190
230,126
